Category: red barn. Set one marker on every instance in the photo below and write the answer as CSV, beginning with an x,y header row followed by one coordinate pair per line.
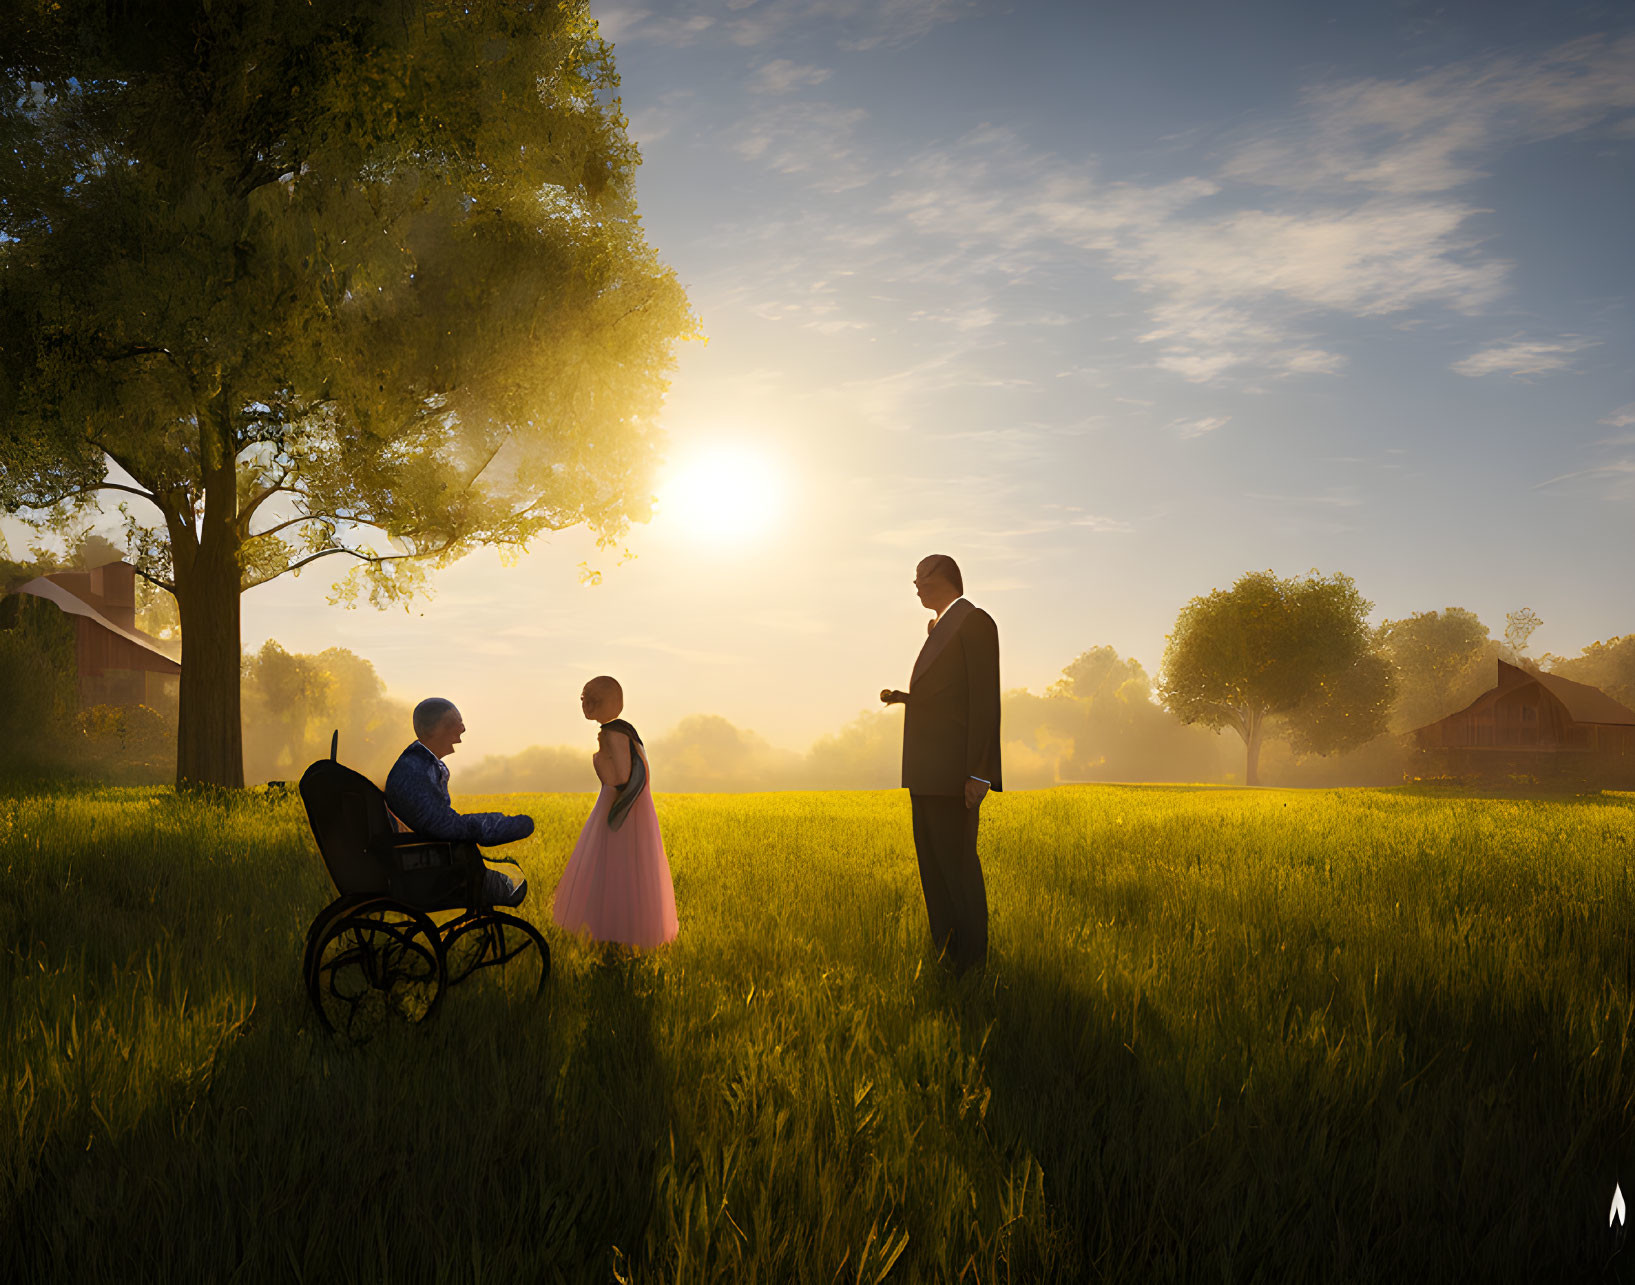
x,y
1538,726
115,663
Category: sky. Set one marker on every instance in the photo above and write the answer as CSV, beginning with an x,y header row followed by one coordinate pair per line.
x,y
1113,302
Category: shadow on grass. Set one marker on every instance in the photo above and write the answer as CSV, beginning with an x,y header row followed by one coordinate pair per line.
x,y
483,1137
1482,1155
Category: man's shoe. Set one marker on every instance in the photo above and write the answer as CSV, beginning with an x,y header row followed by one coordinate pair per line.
x,y
515,899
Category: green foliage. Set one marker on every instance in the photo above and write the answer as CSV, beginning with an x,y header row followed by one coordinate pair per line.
x,y
348,279
156,614
1099,722
36,685
1293,1036
128,744
1298,648
1443,661
293,702
1102,672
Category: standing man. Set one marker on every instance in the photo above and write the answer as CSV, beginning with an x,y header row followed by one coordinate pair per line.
x,y
951,756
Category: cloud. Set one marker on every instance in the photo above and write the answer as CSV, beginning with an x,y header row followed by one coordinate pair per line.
x,y
780,76
1431,133
1346,208
855,24
621,24
1616,478
1228,291
812,140
1623,417
1523,357
650,124
1198,427
850,24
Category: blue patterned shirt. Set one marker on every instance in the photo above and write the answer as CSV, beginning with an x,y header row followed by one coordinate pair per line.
x,y
417,792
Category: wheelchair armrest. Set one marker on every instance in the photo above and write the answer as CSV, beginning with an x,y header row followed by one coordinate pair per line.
x,y
412,851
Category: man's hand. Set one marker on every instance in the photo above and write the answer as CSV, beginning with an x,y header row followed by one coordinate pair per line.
x,y
975,792
890,697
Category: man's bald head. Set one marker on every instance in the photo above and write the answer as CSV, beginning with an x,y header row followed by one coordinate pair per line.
x,y
438,725
430,713
940,564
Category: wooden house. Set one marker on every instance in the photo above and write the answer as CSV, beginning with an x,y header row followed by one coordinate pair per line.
x,y
115,663
1534,726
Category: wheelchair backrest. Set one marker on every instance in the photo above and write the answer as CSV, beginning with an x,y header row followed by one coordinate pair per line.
x,y
346,810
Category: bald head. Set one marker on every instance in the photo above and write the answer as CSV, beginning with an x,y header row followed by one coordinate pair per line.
x,y
430,713
602,699
941,565
438,725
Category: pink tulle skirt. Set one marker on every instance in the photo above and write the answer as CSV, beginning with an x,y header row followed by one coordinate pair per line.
x,y
617,883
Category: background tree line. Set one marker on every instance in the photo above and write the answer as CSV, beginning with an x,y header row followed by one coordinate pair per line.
x,y
1335,695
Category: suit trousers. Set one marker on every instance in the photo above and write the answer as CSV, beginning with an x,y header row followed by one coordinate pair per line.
x,y
956,901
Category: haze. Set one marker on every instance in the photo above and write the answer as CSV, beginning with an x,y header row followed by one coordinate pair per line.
x,y
1112,303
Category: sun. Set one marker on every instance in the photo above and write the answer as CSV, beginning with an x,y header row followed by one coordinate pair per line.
x,y
722,494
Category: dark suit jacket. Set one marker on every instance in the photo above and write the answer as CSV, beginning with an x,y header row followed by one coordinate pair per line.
x,y
951,727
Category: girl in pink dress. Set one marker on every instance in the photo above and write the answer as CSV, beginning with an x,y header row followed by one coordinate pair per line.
x,y
617,883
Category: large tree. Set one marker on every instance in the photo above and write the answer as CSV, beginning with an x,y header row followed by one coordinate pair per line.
x,y
1299,650
360,279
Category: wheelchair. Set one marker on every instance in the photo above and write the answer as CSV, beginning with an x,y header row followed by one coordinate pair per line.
x,y
375,956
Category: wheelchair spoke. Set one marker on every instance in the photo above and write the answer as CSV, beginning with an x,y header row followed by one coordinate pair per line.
x,y
496,953
375,963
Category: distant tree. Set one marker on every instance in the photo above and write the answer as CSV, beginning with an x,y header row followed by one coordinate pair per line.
x,y
1299,648
1101,671
307,280
705,752
1609,665
293,702
1442,660
290,694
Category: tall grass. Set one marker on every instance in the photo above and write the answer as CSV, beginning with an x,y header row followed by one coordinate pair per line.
x,y
1223,1035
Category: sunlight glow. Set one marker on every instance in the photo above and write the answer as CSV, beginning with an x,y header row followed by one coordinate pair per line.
x,y
722,494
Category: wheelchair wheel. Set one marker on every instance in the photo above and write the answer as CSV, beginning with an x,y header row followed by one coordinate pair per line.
x,y
493,953
374,963
320,921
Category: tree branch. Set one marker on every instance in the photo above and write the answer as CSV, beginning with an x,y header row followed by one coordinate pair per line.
x,y
261,497
154,580
351,553
139,350
302,520
110,486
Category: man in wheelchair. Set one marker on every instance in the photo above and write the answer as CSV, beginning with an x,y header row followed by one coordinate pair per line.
x,y
417,793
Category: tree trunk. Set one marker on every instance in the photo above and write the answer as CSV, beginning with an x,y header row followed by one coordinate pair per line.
x,y
210,731
1251,773
210,728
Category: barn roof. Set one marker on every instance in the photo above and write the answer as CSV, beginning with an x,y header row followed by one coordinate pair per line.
x,y
1585,703
51,591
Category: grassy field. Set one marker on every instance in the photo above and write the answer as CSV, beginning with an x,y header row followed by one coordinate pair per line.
x,y
1224,1036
